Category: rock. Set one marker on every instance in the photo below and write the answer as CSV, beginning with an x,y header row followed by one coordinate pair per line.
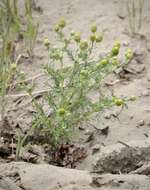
x,y
134,68
139,55
125,43
121,15
121,157
47,177
107,116
141,123
121,182
6,184
145,93
131,116
144,169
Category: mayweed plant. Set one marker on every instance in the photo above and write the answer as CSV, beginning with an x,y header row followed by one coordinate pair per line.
x,y
74,73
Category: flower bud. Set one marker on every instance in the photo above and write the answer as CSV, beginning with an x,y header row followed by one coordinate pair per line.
x,y
104,62
83,44
62,23
56,29
98,65
133,98
99,38
93,38
13,66
84,73
114,61
117,44
115,51
93,28
129,54
119,102
46,42
77,37
61,111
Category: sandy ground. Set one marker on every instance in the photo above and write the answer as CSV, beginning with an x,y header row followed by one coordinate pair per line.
x,y
111,18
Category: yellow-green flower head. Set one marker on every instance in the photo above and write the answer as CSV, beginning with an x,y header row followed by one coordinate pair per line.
x,y
72,33
115,61
99,38
62,23
119,102
115,51
83,44
117,44
104,62
13,66
84,73
61,111
77,37
56,28
93,38
133,98
98,65
46,42
129,54
93,28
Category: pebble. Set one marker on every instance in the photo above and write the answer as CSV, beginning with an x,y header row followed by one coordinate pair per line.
x,y
145,93
125,43
141,122
107,116
88,132
131,116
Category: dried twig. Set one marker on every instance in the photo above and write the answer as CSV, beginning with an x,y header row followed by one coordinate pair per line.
x,y
35,94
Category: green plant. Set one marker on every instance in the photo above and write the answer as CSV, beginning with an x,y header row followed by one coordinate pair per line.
x,y
135,10
31,30
69,98
10,29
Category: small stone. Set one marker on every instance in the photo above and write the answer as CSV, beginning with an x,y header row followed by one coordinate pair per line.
x,y
121,14
145,93
131,116
88,132
107,116
141,123
125,43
